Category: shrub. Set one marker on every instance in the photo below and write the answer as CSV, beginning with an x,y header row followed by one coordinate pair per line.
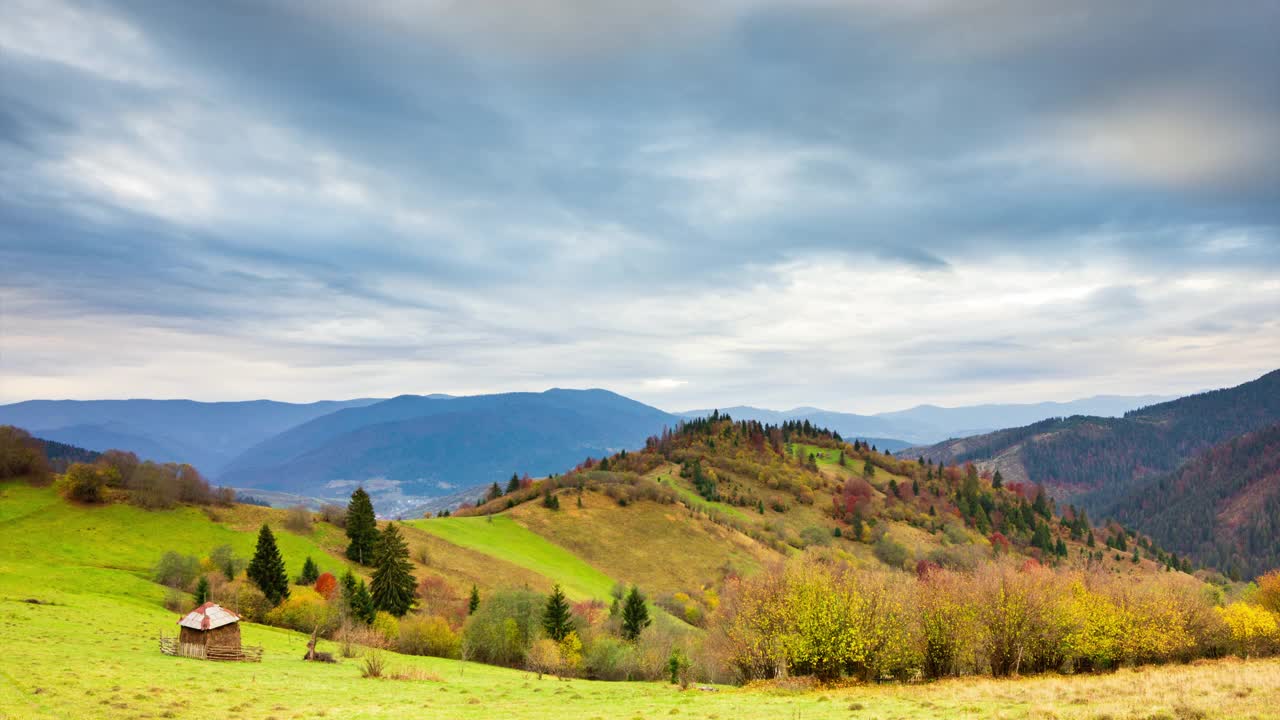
x,y
176,571
326,585
304,611
224,558
373,665
428,635
502,628
891,552
543,657
335,515
386,625
298,520
85,483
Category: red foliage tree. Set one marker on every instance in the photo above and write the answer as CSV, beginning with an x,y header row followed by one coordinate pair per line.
x,y
326,585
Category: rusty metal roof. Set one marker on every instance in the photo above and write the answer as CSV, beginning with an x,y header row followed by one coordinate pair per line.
x,y
208,616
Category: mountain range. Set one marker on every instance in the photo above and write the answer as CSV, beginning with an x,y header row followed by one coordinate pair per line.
x,y
926,424
205,434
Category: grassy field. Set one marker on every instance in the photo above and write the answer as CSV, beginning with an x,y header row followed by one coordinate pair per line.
x,y
501,537
88,647
95,657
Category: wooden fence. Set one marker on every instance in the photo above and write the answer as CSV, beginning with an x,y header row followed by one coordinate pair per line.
x,y
171,646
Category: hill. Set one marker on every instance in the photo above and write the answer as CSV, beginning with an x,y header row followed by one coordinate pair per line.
x,y
409,449
1089,459
931,423
1221,507
204,434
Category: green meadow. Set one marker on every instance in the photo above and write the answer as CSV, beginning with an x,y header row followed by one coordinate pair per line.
x,y
79,620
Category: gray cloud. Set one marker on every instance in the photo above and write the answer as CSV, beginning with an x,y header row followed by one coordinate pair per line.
x,y
742,202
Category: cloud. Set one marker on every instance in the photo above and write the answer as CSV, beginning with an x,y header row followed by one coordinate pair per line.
x,y
845,204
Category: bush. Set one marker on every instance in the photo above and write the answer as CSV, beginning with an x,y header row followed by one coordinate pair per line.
x,y
503,627
891,552
85,483
298,520
373,665
386,625
326,585
333,514
428,635
544,657
304,611
176,571
224,558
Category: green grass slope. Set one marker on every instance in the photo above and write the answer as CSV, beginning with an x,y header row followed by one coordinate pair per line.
x,y
502,538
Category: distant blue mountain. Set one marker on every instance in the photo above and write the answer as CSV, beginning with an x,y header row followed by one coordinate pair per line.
x,y
204,434
926,424
424,447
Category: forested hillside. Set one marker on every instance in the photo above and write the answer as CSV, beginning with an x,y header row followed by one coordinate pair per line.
x,y
1222,507
1090,459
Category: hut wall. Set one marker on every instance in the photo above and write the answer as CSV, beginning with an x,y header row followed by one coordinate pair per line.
x,y
192,643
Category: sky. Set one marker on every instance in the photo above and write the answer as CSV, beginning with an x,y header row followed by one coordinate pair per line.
x,y
858,205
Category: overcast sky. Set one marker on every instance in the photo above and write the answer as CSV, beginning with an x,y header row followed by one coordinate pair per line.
x,y
857,205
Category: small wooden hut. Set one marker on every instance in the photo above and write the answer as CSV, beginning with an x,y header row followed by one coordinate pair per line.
x,y
210,632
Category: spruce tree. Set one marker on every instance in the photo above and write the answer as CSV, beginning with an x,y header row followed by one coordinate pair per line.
x,y
362,527
309,572
393,583
556,618
266,570
514,483
635,615
361,603
202,591
997,480
474,603
495,492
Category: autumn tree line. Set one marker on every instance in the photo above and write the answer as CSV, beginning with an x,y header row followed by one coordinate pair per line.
x,y
830,620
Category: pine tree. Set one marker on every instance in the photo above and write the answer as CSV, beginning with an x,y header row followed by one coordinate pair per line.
x,y
915,487
266,570
393,583
856,523
514,483
362,527
635,615
362,607
997,480
868,470
202,591
1061,549
309,572
550,501
494,493
556,618
474,603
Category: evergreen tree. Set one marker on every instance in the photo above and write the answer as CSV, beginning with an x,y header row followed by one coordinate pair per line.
x,y
915,487
362,607
635,615
997,480
514,483
494,493
1041,538
202,591
356,599
556,618
868,470
550,501
266,570
1061,548
393,583
856,523
309,572
474,603
362,527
